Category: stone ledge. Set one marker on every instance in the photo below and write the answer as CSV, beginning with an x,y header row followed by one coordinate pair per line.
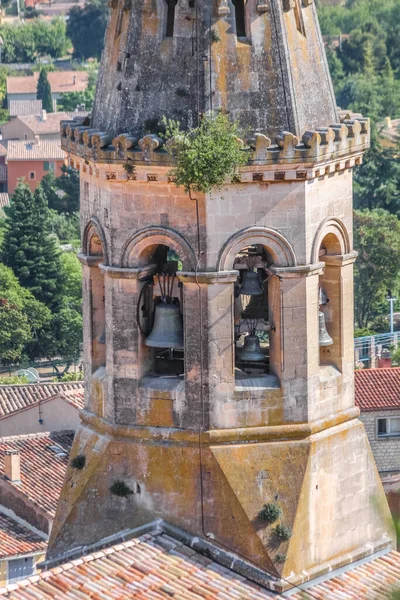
x,y
340,140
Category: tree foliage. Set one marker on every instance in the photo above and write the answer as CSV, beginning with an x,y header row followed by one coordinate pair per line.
x,y
28,41
204,157
43,92
377,240
28,246
86,28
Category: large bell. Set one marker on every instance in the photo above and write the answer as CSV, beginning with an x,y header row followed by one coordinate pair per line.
x,y
251,284
167,330
324,337
251,351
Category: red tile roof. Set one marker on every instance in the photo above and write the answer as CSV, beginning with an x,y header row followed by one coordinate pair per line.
x,y
15,539
60,82
377,389
16,397
35,150
44,458
158,567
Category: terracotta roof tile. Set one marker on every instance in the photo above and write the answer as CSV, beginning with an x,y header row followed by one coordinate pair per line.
x,y
35,150
17,397
15,539
44,458
18,108
40,126
60,82
124,572
377,389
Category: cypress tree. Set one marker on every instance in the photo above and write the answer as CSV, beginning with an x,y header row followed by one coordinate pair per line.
x,y
43,92
28,247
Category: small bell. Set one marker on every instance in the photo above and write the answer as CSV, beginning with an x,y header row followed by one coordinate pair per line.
x,y
167,330
102,338
251,284
324,337
251,351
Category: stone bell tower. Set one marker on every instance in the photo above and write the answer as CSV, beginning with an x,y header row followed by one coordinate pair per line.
x,y
218,332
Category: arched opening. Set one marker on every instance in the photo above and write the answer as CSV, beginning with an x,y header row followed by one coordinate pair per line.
x,y
97,304
159,314
171,4
240,17
329,303
254,297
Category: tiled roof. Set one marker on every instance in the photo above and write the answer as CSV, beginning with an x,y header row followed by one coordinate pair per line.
x,y
44,458
40,126
157,567
60,82
18,108
17,397
35,150
377,389
15,539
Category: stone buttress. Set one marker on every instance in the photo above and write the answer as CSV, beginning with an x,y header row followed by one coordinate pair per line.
x,y
198,438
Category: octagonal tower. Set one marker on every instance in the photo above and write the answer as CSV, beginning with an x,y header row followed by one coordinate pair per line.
x,y
237,401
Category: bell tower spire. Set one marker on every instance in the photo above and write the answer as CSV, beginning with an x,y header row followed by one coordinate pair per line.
x,y
222,400
261,62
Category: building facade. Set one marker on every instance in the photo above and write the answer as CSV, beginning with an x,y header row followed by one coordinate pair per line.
x,y
32,160
186,410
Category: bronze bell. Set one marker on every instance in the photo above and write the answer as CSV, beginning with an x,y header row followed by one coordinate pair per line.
x,y
251,284
102,338
251,351
324,337
167,330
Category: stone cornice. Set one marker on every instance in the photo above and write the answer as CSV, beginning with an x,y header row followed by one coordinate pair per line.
x,y
337,144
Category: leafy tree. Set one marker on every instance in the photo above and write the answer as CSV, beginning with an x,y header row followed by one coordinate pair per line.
x,y
204,157
29,248
86,28
20,316
28,41
377,240
72,278
43,92
62,193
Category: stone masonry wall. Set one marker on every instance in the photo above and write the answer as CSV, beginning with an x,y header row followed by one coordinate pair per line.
x,y
386,451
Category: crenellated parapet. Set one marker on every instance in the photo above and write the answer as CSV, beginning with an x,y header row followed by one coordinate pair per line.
x,y
349,138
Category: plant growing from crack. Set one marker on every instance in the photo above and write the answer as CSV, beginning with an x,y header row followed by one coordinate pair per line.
x,y
270,512
78,462
119,488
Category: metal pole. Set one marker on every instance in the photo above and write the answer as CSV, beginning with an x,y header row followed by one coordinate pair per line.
x,y
392,301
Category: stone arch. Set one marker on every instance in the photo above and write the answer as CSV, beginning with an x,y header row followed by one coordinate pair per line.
x,y
334,232
279,248
140,246
92,230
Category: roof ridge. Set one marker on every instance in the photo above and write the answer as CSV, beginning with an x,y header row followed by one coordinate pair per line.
x,y
39,434
31,385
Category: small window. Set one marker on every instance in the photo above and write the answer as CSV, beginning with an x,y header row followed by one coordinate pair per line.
x,y
32,175
388,427
20,569
25,136
49,166
171,4
240,18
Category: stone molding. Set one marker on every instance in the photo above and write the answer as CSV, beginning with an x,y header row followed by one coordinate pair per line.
x,y
331,225
128,273
298,271
341,260
351,136
90,261
208,277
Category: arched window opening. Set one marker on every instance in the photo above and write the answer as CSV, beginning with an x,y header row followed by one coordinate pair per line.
x,y
171,4
251,313
329,304
160,315
98,313
240,19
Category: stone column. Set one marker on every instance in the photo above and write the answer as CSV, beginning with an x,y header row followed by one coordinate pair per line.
x,y
93,312
299,341
209,349
128,358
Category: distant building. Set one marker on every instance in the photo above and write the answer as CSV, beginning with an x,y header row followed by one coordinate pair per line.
x,y
45,126
32,469
378,397
25,88
42,407
20,108
31,160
